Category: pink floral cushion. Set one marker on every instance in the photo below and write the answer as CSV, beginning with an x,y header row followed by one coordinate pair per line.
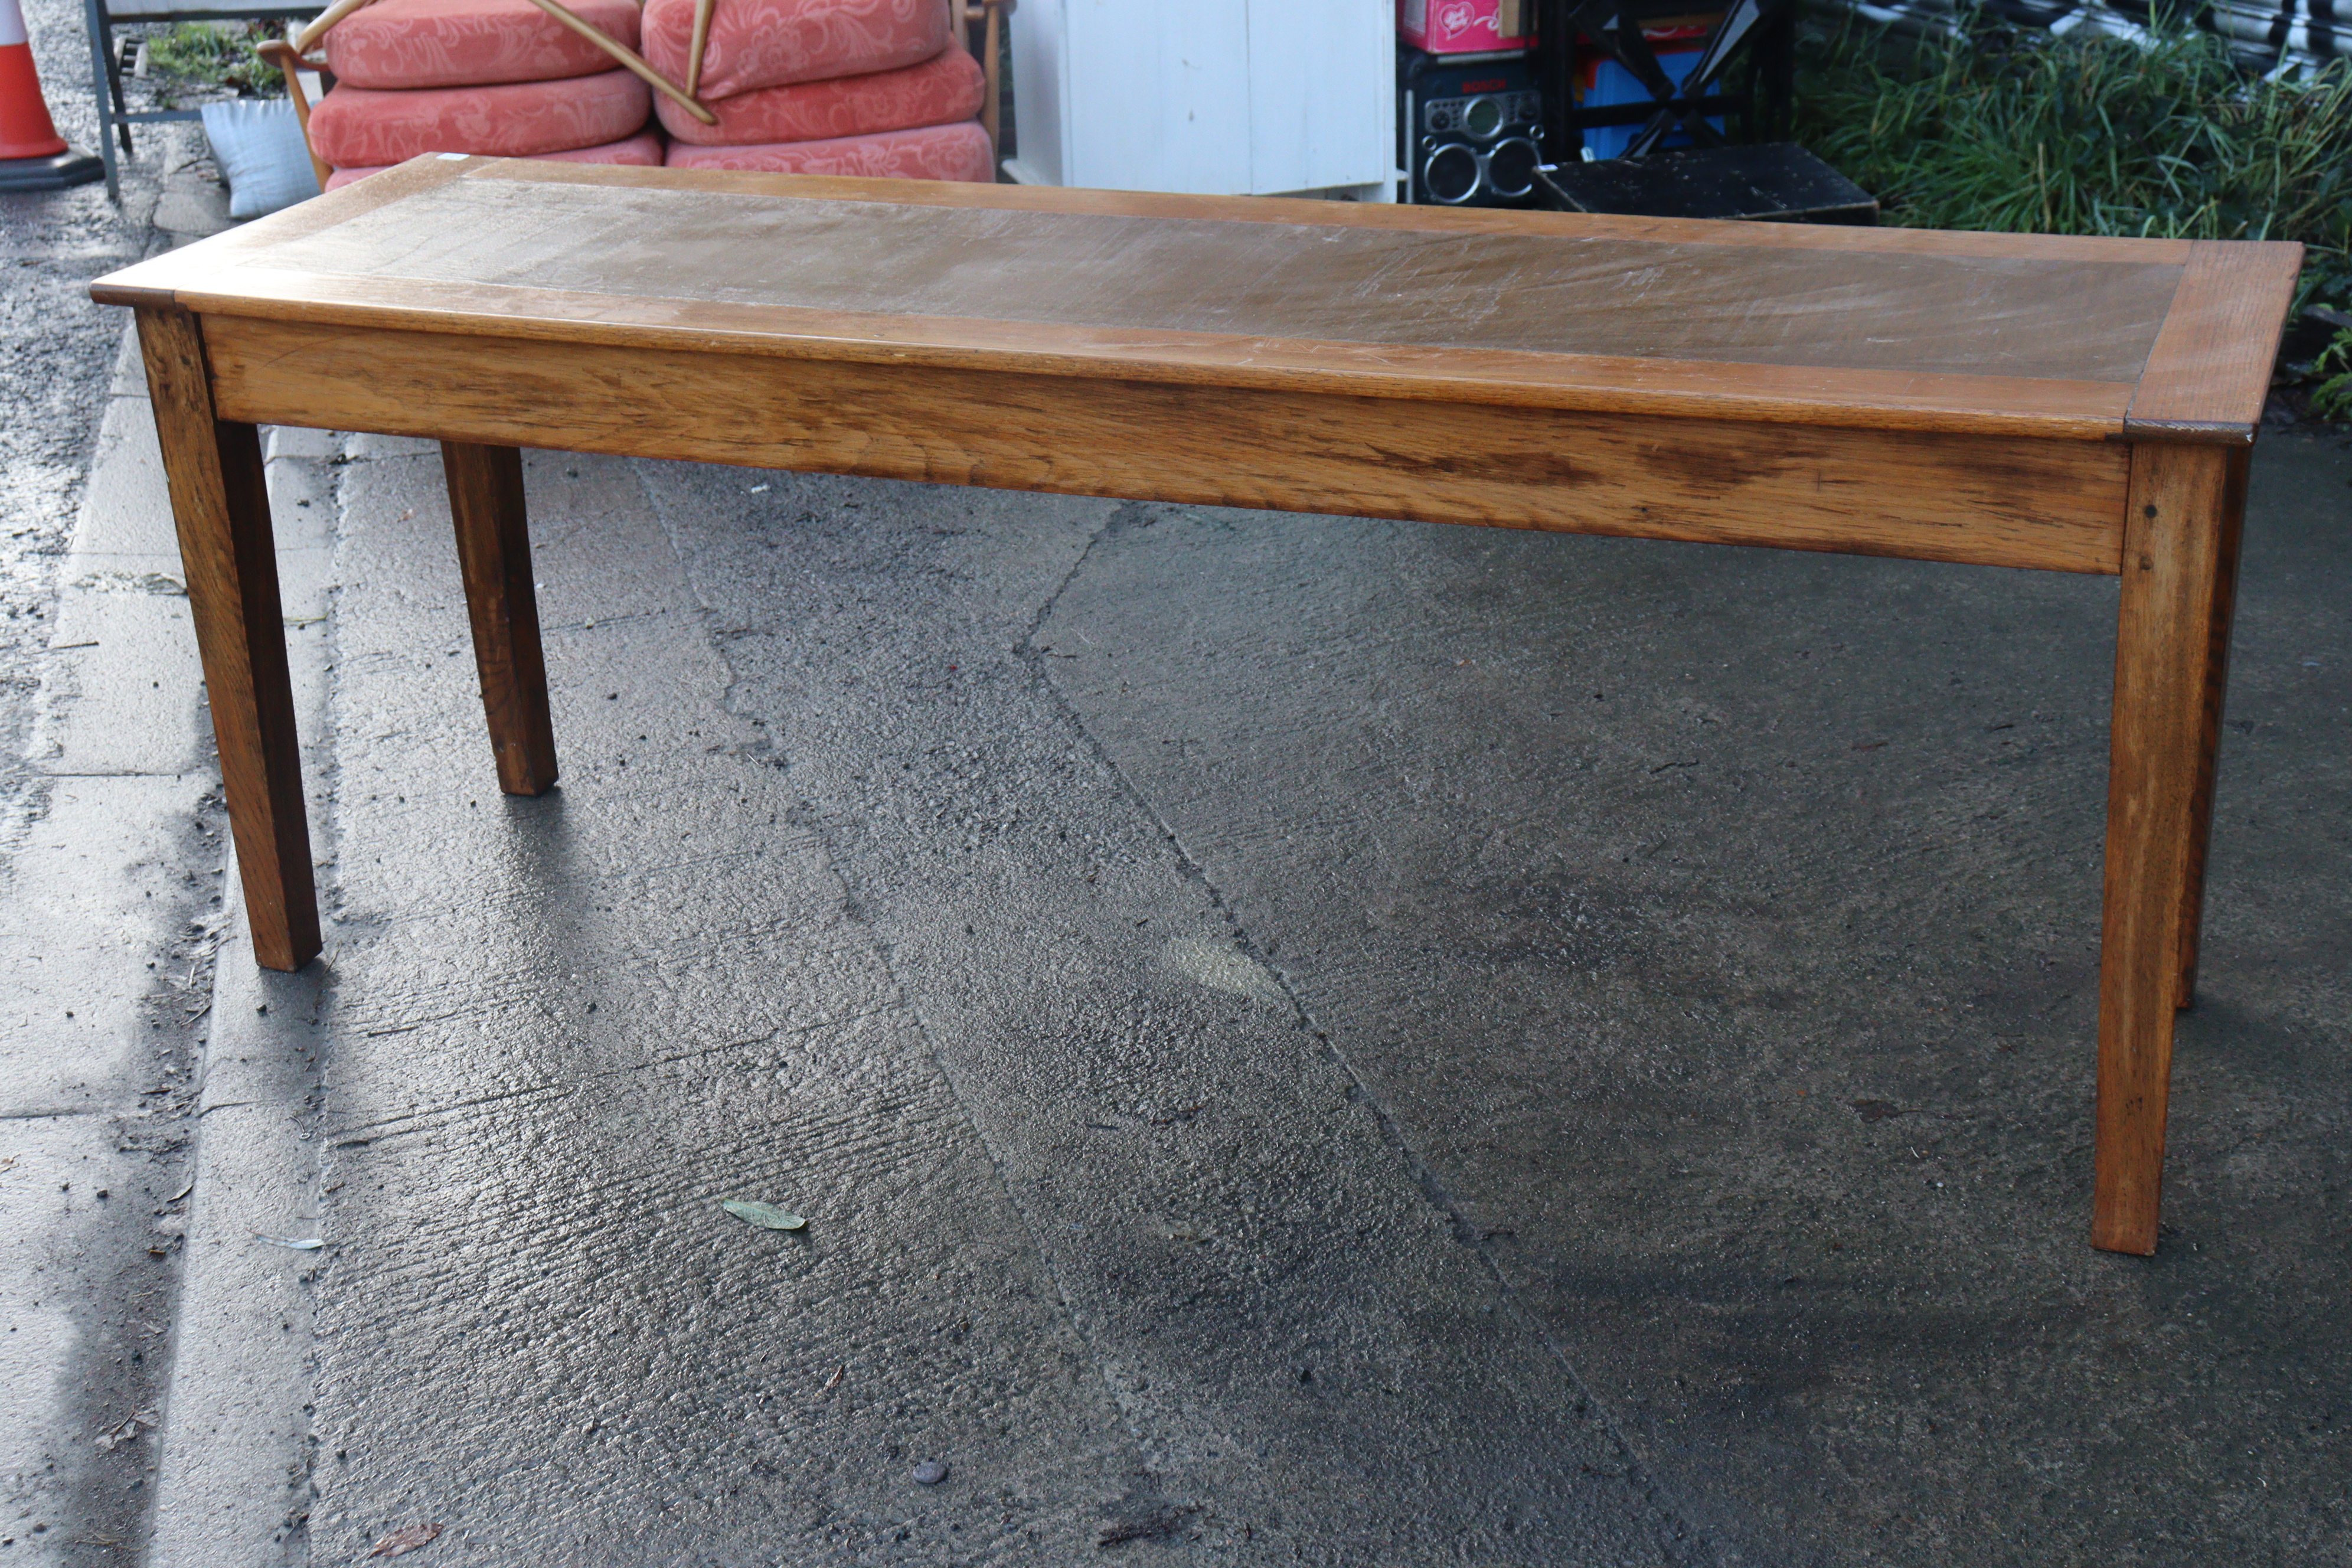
x,y
768,43
932,152
398,44
643,150
946,88
359,127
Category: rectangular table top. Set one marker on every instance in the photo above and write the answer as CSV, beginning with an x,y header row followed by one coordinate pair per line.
x,y
2072,338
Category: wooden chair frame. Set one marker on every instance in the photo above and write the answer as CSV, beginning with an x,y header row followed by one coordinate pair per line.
x,y
291,64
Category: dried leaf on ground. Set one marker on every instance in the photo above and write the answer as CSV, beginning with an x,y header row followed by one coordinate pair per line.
x,y
114,1437
768,1216
405,1541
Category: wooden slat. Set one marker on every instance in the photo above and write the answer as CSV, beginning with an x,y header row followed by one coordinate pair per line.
x,y
2054,505
220,502
2177,528
2208,375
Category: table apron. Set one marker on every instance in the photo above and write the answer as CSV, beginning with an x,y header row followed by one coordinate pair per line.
x,y
2002,500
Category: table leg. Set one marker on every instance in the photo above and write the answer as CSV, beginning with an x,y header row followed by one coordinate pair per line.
x,y
2217,683
486,501
220,502
2179,545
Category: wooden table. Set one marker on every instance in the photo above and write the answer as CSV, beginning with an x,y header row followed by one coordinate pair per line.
x,y
2065,405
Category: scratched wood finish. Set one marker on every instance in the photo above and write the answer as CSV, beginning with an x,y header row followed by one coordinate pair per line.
x,y
1278,209
2056,506
2049,319
429,172
220,502
485,504
2184,498
2022,334
1502,379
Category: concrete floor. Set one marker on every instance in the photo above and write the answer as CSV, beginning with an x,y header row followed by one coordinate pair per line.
x,y
1298,1040
111,852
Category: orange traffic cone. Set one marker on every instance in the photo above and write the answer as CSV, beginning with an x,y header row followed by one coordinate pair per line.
x,y
33,156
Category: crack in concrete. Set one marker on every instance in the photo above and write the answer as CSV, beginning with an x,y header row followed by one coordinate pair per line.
x,y
1651,1488
1047,1257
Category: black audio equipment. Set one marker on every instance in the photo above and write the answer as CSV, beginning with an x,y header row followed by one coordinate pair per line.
x,y
1471,129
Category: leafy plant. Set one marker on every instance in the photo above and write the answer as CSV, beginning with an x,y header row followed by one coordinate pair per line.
x,y
213,54
2090,134
2332,398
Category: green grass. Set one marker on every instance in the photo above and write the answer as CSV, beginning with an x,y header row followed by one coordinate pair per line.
x,y
2331,398
215,54
2020,130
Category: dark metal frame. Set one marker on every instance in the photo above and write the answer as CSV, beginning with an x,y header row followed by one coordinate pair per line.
x,y
1761,34
115,117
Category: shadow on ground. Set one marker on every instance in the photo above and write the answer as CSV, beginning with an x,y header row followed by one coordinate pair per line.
x,y
1302,1040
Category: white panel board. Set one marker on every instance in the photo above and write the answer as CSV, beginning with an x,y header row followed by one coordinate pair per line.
x,y
1159,96
1039,101
1322,93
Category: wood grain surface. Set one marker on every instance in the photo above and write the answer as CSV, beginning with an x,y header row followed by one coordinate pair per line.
x,y
433,169
1351,214
485,504
2179,522
2066,410
2233,523
221,504
2054,505
2209,373
1531,293
1891,329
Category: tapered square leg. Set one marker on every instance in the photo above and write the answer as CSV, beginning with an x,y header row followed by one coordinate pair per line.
x,y
220,503
2217,683
2180,548
485,502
